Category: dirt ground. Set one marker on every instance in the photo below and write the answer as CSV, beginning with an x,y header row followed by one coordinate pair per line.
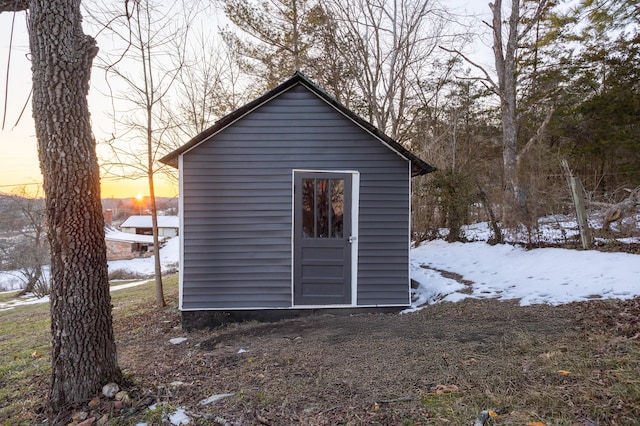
x,y
442,365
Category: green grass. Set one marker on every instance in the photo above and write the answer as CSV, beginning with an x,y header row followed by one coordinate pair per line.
x,y
116,283
558,387
25,360
139,291
5,297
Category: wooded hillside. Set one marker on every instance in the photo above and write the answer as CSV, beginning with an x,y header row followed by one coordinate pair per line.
x,y
562,85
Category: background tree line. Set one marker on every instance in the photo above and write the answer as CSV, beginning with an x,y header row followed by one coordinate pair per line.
x,y
565,82
562,84
23,240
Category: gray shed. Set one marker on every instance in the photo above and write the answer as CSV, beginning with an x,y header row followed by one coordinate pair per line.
x,y
291,204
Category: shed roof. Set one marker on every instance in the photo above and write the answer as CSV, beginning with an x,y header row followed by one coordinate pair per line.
x,y
418,166
145,222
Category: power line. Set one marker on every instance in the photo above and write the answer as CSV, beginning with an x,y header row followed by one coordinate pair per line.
x,y
21,184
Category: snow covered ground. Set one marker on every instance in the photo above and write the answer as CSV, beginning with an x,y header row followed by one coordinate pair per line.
x,y
547,275
454,271
144,267
169,256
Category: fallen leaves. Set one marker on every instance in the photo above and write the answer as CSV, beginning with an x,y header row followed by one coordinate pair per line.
x,y
94,402
551,354
484,416
441,389
293,368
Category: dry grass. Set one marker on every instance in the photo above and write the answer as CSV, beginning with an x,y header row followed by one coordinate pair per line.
x,y
576,364
24,363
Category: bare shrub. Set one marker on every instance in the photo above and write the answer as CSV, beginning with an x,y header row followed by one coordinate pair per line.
x,y
42,287
125,274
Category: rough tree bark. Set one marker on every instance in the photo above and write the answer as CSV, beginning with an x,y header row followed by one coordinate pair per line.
x,y
83,346
505,58
505,61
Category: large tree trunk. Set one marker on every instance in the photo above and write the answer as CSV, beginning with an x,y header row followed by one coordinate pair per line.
x,y
505,47
505,61
509,153
83,346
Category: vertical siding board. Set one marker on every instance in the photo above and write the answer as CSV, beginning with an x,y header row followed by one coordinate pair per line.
x,y
237,205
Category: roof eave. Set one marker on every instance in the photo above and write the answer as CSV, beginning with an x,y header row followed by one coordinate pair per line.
x,y
418,166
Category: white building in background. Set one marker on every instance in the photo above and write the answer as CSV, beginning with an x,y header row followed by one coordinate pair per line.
x,y
122,245
168,226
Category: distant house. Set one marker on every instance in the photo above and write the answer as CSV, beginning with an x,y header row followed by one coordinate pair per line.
x,y
168,226
124,246
293,203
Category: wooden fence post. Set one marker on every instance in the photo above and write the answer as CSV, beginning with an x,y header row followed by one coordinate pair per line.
x,y
577,191
581,213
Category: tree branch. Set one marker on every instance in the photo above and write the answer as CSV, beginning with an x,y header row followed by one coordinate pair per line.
x,y
534,19
537,135
13,5
487,77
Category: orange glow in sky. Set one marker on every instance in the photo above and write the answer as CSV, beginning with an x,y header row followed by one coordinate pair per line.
x,y
19,166
126,188
109,188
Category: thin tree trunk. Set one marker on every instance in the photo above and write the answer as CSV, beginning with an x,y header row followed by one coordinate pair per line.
x,y
156,240
149,94
296,35
83,347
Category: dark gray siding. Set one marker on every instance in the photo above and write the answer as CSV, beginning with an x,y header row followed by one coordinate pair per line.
x,y
237,205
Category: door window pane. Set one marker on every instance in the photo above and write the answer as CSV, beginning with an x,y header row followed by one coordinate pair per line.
x,y
308,208
322,208
337,207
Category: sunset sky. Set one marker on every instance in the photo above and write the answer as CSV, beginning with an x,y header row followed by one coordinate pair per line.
x,y
19,160
19,165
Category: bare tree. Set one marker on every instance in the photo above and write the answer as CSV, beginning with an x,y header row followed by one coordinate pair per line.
x,y
209,87
83,347
512,29
457,132
25,251
506,42
389,47
146,71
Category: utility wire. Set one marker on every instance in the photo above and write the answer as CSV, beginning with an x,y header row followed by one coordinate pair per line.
x,y
21,184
